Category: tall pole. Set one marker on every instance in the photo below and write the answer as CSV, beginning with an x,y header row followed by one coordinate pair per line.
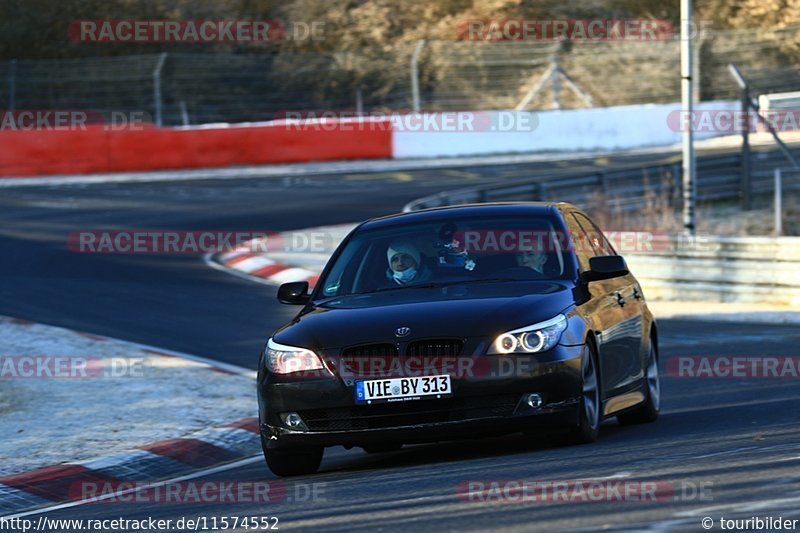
x,y
689,167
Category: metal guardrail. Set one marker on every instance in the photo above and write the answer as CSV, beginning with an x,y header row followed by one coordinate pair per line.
x,y
726,269
627,189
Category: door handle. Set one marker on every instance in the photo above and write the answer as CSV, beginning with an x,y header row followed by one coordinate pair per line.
x,y
620,299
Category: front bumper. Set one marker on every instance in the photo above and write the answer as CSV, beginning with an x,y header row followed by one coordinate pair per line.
x,y
487,404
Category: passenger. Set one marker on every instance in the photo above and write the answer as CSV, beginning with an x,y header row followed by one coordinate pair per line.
x,y
405,264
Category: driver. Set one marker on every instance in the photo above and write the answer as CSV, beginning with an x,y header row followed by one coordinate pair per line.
x,y
532,258
405,263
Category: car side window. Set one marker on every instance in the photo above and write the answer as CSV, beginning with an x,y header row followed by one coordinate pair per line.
x,y
580,242
596,237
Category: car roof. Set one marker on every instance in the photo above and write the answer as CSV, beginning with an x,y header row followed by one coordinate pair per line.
x,y
437,214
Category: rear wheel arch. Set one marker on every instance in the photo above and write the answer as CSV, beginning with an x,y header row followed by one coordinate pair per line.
x,y
591,339
654,338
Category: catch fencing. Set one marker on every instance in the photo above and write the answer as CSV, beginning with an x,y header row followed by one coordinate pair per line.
x,y
201,88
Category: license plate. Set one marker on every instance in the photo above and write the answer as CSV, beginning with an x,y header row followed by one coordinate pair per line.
x,y
402,389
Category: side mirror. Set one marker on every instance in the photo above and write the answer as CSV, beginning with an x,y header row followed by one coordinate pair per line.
x,y
295,292
606,267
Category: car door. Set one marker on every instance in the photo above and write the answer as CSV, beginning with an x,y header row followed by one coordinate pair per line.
x,y
601,309
626,335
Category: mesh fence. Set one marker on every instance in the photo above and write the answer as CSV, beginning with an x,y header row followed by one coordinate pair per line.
x,y
201,88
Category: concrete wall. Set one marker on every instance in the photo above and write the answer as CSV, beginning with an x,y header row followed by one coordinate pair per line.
x,y
609,128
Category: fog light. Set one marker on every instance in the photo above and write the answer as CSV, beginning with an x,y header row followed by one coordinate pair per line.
x,y
534,400
293,421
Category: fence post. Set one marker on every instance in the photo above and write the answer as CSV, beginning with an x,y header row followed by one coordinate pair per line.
x,y
12,85
746,104
745,177
415,75
778,203
157,89
555,85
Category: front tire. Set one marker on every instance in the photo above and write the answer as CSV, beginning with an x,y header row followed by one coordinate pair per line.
x,y
648,411
292,461
591,407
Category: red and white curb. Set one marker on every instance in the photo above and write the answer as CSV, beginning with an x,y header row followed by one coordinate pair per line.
x,y
258,265
152,462
157,461
270,260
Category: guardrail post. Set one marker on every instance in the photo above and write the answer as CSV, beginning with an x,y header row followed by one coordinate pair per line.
x,y
603,183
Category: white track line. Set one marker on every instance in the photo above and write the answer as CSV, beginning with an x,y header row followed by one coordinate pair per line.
x,y
234,369
199,473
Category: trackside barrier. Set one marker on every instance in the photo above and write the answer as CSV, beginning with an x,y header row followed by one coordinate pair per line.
x,y
97,149
572,130
711,268
722,269
627,189
93,149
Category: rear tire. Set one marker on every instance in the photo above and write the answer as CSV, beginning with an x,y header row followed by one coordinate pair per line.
x,y
591,406
293,461
648,411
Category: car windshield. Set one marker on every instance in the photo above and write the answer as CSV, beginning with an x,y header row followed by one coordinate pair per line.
x,y
442,253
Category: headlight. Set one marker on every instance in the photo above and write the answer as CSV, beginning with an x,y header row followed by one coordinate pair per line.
x,y
530,339
282,359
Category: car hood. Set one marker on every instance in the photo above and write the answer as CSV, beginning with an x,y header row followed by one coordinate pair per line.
x,y
455,311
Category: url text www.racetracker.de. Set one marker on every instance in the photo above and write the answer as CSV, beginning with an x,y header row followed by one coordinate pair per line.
x,y
194,523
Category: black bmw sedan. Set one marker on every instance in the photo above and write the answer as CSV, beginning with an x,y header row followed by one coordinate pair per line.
x,y
458,322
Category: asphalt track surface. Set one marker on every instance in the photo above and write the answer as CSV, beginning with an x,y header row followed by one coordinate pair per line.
x,y
737,440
